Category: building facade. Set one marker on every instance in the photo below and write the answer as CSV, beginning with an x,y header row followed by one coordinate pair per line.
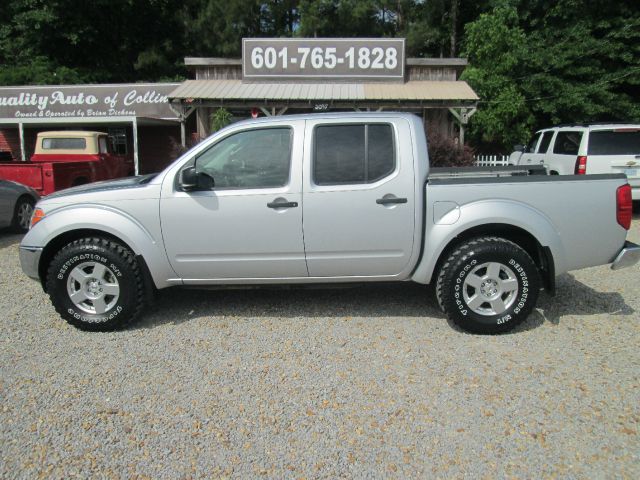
x,y
138,118
430,88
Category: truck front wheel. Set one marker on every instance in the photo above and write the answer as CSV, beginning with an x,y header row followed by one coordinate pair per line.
x,y
488,285
96,284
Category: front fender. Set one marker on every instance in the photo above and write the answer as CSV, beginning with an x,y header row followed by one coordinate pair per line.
x,y
440,232
143,239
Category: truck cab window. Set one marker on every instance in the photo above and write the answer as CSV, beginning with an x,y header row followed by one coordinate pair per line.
x,y
353,154
59,143
258,158
102,141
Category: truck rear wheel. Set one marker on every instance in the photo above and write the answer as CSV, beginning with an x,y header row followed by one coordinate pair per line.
x,y
488,285
96,284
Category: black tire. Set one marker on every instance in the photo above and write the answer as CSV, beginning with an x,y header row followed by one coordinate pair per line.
x,y
22,214
488,285
105,279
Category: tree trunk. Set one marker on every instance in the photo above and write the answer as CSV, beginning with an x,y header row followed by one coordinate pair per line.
x,y
400,17
454,28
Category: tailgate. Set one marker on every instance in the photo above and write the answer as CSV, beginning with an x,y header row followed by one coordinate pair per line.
x,y
24,173
627,164
615,150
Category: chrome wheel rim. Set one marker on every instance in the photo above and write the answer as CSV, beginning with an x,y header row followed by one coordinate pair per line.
x,y
25,210
93,288
490,289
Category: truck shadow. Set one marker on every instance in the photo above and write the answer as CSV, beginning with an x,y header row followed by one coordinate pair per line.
x,y
575,298
179,305
175,306
8,238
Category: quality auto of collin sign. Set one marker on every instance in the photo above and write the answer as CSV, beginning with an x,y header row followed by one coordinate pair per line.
x,y
87,101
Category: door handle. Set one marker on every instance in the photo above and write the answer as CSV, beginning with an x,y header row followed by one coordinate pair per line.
x,y
390,201
280,204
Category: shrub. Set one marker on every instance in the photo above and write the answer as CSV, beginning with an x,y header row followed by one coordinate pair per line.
x,y
446,152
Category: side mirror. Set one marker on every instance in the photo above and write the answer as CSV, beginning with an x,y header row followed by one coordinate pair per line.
x,y
191,181
519,148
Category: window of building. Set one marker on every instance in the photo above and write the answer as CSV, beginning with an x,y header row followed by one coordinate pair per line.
x,y
118,137
258,158
353,154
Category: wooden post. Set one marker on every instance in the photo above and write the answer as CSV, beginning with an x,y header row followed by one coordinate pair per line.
x,y
134,123
462,116
21,134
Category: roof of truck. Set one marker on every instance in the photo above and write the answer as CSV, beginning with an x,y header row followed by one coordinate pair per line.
x,y
70,133
593,126
330,115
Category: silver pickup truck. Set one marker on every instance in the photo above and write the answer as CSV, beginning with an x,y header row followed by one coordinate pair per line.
x,y
321,199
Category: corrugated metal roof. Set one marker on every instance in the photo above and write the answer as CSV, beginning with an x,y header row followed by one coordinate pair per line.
x,y
236,90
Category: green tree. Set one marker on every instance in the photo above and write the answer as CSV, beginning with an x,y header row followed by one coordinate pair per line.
x,y
65,41
535,64
496,47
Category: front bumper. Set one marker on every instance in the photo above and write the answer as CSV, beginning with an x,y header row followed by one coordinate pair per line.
x,y
628,256
29,260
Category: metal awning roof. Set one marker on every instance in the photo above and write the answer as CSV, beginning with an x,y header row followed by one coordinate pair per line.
x,y
235,91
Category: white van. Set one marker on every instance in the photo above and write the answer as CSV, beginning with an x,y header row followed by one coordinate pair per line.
x,y
585,149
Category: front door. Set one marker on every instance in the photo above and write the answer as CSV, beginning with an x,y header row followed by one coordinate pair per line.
x,y
250,225
359,205
537,154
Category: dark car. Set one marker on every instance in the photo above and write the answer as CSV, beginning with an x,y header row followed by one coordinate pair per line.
x,y
16,205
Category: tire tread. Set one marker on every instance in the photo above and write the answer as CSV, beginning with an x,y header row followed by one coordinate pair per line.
x,y
127,256
443,277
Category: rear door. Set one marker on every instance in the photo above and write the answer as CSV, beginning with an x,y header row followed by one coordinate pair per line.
x,y
615,150
562,156
358,198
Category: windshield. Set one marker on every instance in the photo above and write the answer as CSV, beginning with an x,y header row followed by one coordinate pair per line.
x,y
147,178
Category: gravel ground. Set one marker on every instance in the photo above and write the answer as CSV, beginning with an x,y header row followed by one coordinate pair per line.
x,y
363,383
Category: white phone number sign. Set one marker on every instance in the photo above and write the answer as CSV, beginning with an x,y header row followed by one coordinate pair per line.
x,y
328,58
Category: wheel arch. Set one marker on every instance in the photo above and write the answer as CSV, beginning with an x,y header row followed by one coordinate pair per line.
x,y
60,227
80,180
541,255
56,243
513,220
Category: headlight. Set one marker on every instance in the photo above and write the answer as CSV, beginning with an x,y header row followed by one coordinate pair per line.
x,y
36,216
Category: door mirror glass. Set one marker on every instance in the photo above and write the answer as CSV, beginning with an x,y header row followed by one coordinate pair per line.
x,y
518,148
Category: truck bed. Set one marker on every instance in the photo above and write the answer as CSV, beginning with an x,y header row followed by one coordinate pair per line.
x,y
561,199
26,173
479,172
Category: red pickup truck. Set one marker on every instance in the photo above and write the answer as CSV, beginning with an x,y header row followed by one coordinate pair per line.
x,y
65,159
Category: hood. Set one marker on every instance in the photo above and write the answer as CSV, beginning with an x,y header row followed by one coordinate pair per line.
x,y
119,184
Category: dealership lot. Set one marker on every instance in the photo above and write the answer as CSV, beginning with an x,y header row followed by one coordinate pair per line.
x,y
363,382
